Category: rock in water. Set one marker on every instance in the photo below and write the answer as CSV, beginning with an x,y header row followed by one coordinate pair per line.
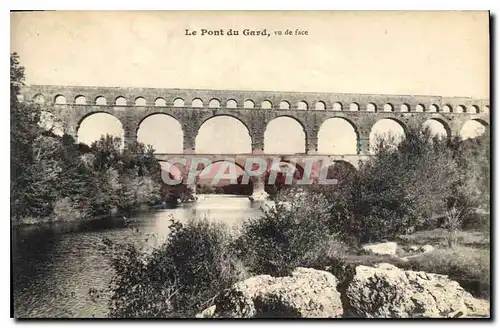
x,y
388,248
385,291
308,293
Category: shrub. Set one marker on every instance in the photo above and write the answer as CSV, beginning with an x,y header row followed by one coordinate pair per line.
x,y
468,266
293,233
177,279
66,210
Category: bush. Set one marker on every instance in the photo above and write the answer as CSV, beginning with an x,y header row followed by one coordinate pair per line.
x,y
177,279
293,233
66,210
468,266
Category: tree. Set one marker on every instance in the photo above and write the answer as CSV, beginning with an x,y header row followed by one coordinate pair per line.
x,y
402,187
24,129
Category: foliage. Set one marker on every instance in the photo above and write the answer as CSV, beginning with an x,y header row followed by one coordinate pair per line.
x,y
177,279
293,233
24,131
401,188
52,177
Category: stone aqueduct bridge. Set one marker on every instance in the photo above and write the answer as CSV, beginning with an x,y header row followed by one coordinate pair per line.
x,y
255,109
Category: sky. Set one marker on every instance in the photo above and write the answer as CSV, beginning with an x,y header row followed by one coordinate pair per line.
x,y
425,53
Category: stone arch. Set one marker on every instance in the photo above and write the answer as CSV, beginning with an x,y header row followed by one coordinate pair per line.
x,y
473,128
80,100
420,108
120,101
338,135
389,129
160,102
285,135
473,109
60,100
214,103
446,109
197,102
140,102
284,105
39,99
354,107
433,108
225,186
231,136
405,108
92,126
298,172
302,105
320,105
248,104
231,103
266,104
162,131
437,127
388,107
337,106
100,101
178,102
371,107
460,109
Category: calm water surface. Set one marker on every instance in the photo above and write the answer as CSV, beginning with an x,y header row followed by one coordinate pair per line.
x,y
55,265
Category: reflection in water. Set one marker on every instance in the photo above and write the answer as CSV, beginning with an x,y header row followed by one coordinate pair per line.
x,y
55,265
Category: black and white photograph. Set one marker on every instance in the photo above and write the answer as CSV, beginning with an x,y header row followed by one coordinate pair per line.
x,y
250,164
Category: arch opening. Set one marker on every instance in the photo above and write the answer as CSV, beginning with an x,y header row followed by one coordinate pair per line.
x,y
120,101
223,134
163,132
223,177
473,129
302,105
436,128
214,103
60,100
160,102
80,100
389,131
197,102
231,103
98,124
284,105
140,101
320,105
248,104
100,101
284,135
266,104
178,102
337,136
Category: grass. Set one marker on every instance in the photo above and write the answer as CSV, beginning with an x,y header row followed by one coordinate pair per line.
x,y
438,238
469,266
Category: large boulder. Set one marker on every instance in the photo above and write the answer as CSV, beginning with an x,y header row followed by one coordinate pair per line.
x,y
307,293
385,291
388,248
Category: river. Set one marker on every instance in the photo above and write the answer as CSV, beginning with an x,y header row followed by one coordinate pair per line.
x,y
54,266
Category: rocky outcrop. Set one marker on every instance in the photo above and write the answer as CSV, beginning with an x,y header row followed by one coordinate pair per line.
x,y
388,248
307,293
385,291
382,291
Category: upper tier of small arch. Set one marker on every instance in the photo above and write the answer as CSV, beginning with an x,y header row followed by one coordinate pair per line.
x,y
274,100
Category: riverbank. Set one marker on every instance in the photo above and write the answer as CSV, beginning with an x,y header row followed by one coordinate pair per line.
x,y
29,221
